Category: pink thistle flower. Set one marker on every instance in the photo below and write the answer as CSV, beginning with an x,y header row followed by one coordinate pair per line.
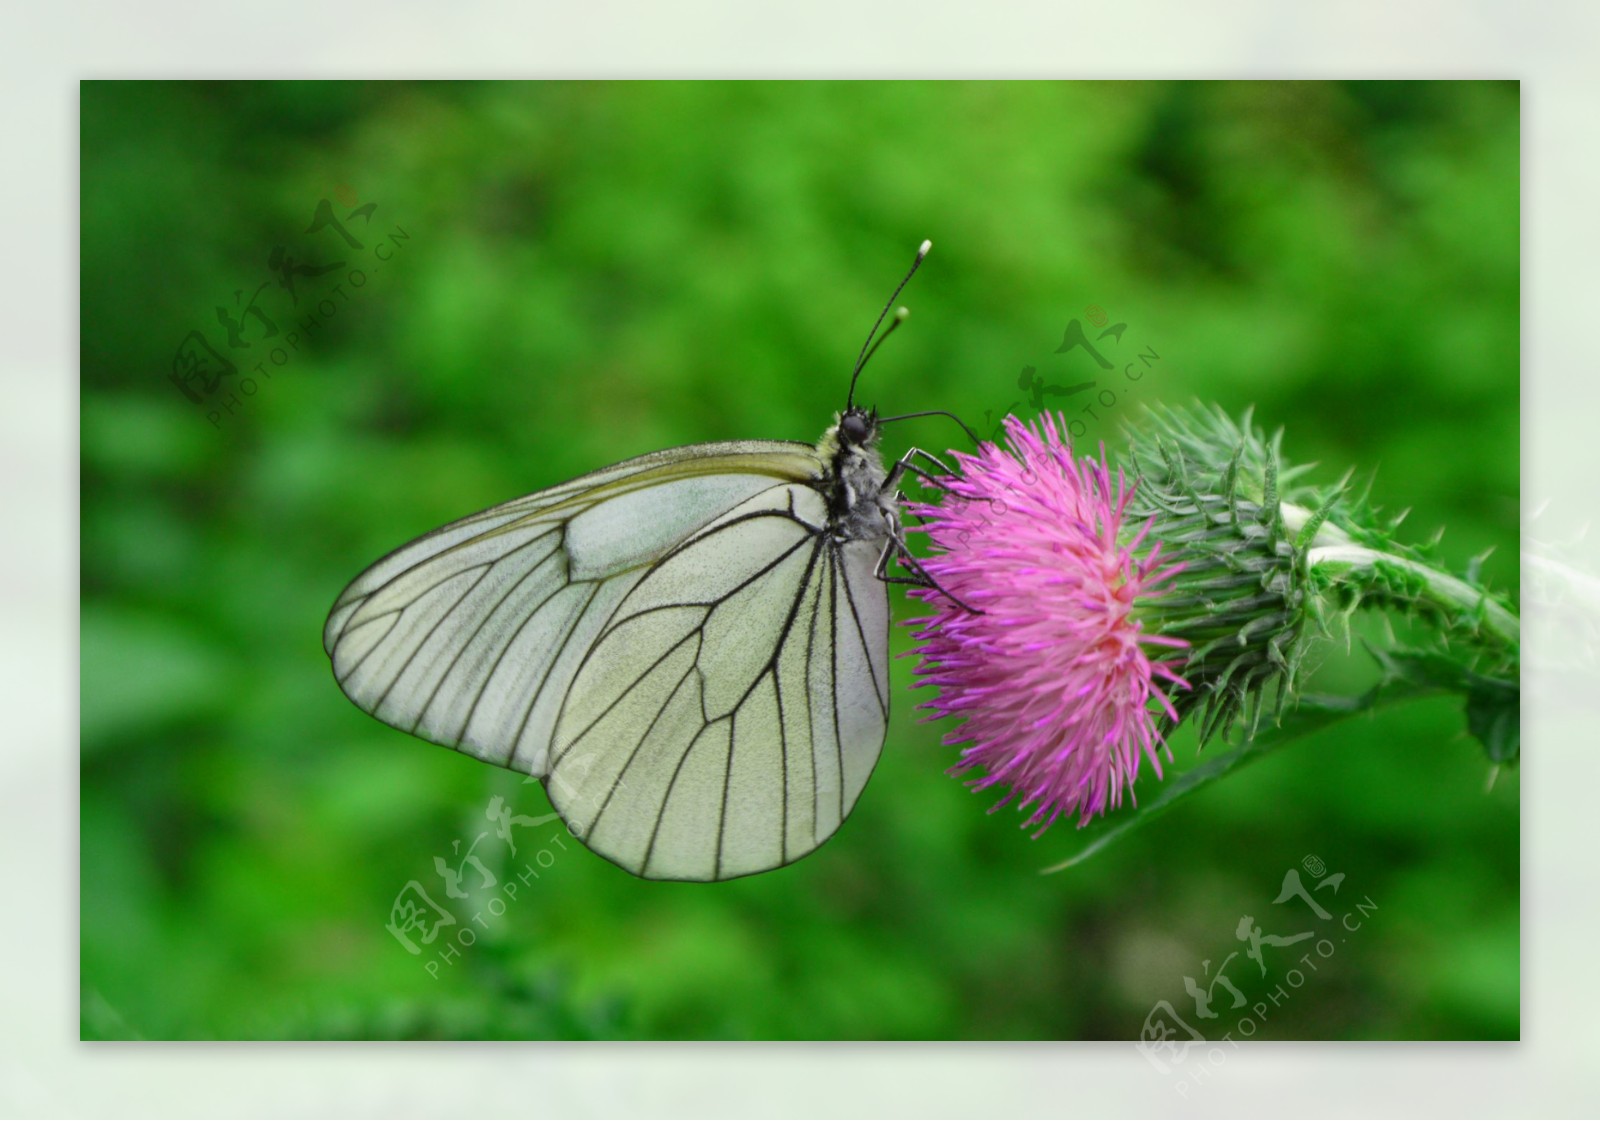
x,y
1051,673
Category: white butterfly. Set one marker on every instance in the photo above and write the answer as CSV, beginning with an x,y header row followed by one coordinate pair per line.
x,y
690,647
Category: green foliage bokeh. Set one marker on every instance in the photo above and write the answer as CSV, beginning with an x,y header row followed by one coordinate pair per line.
x,y
590,272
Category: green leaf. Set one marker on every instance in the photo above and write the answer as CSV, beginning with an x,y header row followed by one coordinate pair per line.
x,y
1494,716
1311,715
1171,793
1493,704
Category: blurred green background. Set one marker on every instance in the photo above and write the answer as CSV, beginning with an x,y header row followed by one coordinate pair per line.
x,y
554,277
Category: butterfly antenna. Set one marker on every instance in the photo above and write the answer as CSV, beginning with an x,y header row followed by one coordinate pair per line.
x,y
901,314
973,436
867,349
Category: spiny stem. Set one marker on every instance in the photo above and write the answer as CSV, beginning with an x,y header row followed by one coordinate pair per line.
x,y
1335,554
1450,593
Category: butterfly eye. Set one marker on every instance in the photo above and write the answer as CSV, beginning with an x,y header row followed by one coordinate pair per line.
x,y
854,428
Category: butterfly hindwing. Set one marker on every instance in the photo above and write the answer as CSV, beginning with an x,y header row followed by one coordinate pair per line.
x,y
710,732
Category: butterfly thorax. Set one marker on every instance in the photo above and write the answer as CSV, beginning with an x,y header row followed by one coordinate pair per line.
x,y
858,508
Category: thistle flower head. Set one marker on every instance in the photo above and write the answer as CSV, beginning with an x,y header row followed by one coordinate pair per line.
x,y
1038,640
1054,590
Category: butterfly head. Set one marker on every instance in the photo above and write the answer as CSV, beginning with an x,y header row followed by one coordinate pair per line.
x,y
858,428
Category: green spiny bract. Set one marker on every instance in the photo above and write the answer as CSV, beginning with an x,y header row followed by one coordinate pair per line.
x,y
1242,600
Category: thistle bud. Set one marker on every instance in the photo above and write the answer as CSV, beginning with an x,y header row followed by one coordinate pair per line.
x,y
1241,601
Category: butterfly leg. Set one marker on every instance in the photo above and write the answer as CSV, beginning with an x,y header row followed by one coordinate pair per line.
x,y
905,463
935,460
896,549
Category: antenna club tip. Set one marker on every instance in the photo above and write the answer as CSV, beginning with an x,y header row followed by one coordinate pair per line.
x,y
901,314
922,250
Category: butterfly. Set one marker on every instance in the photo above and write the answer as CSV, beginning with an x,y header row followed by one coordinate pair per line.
x,y
690,648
